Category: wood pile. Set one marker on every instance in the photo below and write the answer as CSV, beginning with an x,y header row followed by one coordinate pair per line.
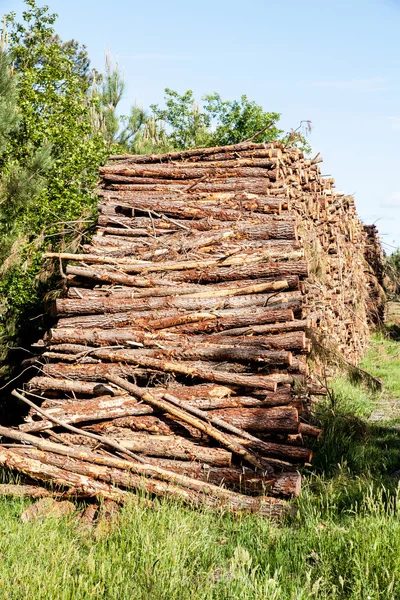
x,y
375,276
178,361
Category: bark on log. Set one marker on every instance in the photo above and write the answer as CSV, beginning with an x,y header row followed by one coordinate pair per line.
x,y
292,454
271,328
148,469
186,368
239,479
257,271
222,323
189,154
310,430
115,277
207,352
84,388
147,423
128,337
230,500
92,372
175,447
249,260
59,476
91,306
279,419
186,210
89,410
219,289
183,415
283,228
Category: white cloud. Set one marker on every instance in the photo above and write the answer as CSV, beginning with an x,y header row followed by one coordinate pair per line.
x,y
371,84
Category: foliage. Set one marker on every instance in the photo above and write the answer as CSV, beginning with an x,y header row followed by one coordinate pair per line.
x,y
188,125
49,168
240,120
217,122
137,132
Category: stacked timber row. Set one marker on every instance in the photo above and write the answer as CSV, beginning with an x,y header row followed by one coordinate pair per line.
x,y
182,340
375,276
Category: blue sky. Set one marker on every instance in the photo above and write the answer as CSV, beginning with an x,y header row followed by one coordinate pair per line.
x,y
336,63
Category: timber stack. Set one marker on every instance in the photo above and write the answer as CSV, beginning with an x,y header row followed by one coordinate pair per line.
x,y
178,361
375,274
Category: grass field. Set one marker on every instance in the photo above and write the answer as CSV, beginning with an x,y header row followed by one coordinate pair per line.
x,y
344,542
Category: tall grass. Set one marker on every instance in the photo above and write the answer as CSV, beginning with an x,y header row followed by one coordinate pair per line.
x,y
342,544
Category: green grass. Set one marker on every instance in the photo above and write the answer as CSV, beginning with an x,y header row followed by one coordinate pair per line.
x,y
383,361
343,543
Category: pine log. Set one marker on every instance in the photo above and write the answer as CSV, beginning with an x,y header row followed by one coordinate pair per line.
x,y
216,290
222,323
286,452
67,385
251,271
239,479
129,337
250,185
204,321
280,419
230,500
183,243
197,152
115,277
91,372
186,368
80,411
59,476
226,163
283,228
273,328
90,306
206,352
150,468
186,417
174,447
310,430
247,259
187,210
146,423
188,170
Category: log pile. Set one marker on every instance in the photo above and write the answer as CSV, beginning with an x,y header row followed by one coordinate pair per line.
x,y
178,361
375,276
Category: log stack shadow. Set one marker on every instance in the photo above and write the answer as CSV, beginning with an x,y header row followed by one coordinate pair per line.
x,y
179,356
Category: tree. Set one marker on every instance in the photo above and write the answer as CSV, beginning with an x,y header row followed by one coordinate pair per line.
x,y
217,122
137,132
240,120
50,165
188,126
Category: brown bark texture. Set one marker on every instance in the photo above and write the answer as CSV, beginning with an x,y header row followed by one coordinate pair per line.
x,y
184,330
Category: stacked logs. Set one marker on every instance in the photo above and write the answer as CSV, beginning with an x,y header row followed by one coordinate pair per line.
x,y
375,276
177,364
